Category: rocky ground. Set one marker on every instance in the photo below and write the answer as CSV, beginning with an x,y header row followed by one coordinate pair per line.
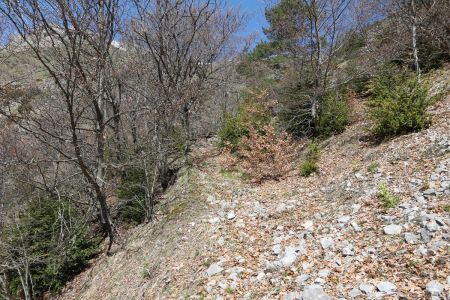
x,y
328,236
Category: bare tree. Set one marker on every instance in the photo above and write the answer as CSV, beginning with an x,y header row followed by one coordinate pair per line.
x,y
17,259
413,33
182,45
406,12
314,31
186,42
72,41
326,25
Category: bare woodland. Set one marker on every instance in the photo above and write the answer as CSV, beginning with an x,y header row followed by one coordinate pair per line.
x,y
132,85
103,108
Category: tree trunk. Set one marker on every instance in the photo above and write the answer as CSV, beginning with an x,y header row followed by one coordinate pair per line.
x,y
117,120
106,218
187,130
414,40
134,132
149,191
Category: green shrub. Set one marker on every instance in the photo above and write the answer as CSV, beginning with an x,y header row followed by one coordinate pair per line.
x,y
131,191
373,167
295,114
245,68
263,50
333,114
296,111
359,83
52,237
308,167
389,200
310,164
178,139
397,104
231,131
426,183
251,114
132,211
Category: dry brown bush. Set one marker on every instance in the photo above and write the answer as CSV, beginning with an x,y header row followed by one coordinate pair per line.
x,y
263,154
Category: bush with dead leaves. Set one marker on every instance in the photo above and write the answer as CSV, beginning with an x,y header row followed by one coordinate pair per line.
x,y
263,154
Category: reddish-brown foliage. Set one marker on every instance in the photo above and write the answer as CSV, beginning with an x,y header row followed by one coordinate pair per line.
x,y
263,154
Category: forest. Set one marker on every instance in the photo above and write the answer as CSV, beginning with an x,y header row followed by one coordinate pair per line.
x,y
103,102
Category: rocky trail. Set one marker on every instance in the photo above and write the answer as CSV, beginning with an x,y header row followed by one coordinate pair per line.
x,y
328,236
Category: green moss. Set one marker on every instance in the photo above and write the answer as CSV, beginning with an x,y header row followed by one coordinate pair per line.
x,y
232,174
176,210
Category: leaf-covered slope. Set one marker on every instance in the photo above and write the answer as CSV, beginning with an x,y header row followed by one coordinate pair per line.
x,y
329,234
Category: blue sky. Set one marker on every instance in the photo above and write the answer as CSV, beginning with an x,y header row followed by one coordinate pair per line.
x,y
255,11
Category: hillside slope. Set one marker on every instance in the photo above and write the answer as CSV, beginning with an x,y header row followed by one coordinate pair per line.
x,y
328,236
